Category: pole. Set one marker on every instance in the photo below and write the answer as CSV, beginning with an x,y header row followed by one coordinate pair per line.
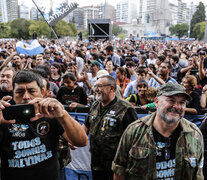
x,y
205,35
46,20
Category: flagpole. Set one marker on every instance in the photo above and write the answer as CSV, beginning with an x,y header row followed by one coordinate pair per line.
x,y
46,20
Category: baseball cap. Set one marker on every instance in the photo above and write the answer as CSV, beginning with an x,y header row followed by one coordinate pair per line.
x,y
135,59
170,89
102,72
57,53
94,62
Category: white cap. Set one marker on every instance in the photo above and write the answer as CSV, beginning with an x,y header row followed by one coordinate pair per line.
x,y
102,72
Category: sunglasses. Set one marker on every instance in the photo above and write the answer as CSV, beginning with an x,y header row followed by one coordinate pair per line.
x,y
101,85
142,85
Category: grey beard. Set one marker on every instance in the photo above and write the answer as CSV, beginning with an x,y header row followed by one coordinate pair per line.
x,y
168,120
4,87
97,97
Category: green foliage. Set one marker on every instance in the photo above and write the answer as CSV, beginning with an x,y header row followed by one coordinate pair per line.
x,y
4,30
85,33
20,28
116,30
23,29
199,30
198,16
73,28
40,27
179,30
62,28
122,36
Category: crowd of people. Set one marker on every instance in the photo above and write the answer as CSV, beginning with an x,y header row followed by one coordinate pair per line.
x,y
155,62
111,78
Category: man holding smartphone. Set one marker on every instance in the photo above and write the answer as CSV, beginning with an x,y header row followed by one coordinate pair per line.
x,y
29,146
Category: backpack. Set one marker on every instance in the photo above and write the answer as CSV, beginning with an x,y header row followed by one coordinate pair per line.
x,y
135,97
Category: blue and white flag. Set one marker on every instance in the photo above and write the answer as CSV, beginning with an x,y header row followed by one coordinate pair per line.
x,y
31,49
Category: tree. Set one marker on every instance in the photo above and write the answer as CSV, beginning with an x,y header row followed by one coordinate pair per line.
x,y
63,29
73,28
4,30
40,27
122,36
198,16
116,30
85,33
199,30
20,28
179,30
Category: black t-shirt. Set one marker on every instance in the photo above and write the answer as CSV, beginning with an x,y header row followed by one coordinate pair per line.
x,y
204,81
129,117
205,62
165,153
66,96
2,94
194,103
29,149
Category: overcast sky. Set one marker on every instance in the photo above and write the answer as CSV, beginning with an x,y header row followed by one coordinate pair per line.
x,y
95,2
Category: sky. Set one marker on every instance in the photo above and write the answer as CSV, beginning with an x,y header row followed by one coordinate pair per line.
x,y
95,2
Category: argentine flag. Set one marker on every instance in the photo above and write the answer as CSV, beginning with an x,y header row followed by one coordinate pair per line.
x,y
31,49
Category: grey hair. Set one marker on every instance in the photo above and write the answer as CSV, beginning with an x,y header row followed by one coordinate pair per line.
x,y
110,80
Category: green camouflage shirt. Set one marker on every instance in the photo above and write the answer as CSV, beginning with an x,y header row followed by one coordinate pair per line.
x,y
136,153
105,129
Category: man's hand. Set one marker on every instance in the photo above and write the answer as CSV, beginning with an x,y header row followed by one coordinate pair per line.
x,y
73,105
3,104
48,108
85,75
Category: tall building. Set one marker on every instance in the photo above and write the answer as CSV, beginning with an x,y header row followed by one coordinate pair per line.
x,y
107,11
34,14
3,10
9,10
12,9
182,12
173,7
155,16
142,15
24,12
89,12
126,11
76,17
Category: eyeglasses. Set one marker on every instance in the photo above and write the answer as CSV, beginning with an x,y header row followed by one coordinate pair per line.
x,y
101,85
142,85
167,151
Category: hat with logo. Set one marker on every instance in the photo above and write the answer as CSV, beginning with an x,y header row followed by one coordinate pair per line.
x,y
170,89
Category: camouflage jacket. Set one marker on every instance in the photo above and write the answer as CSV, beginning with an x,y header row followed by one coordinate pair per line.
x,y
105,132
136,153
64,153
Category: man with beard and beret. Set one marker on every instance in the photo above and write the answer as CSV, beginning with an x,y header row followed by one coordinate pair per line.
x,y
107,119
162,145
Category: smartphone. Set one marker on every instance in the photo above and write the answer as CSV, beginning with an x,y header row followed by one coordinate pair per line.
x,y
20,111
